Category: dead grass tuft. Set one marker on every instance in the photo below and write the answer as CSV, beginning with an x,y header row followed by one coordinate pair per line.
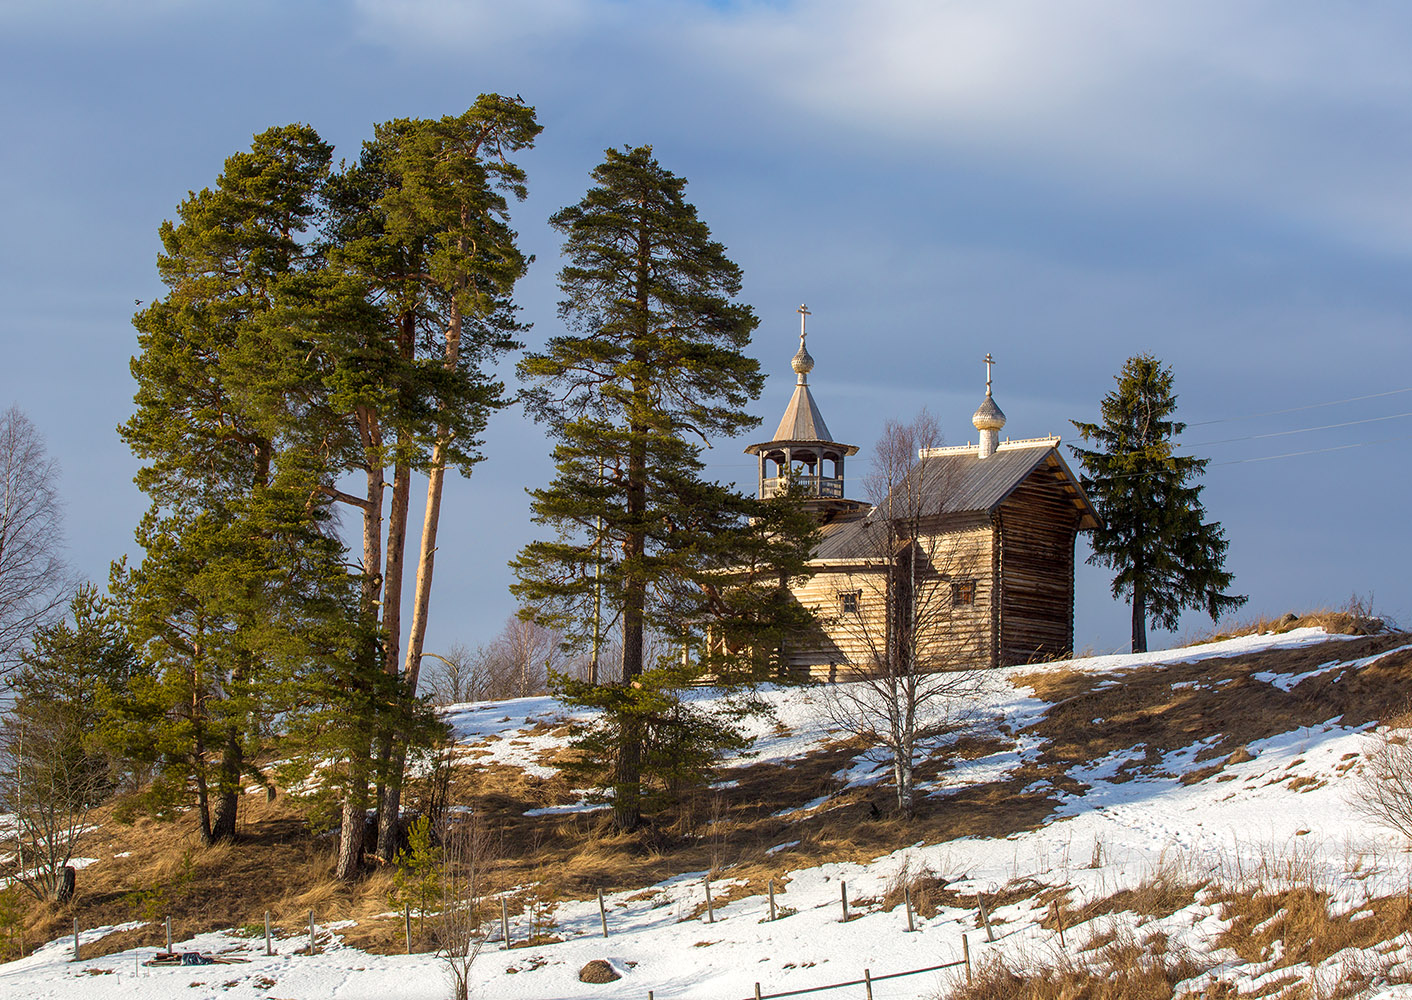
x,y
1354,618
1120,968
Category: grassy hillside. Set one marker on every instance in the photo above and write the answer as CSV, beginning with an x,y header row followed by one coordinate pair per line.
x,y
1068,753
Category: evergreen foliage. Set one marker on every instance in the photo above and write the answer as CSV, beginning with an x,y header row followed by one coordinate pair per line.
x,y
653,364
418,881
279,362
56,766
1153,530
420,224
239,566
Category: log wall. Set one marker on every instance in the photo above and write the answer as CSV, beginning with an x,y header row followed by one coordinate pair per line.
x,y
1034,530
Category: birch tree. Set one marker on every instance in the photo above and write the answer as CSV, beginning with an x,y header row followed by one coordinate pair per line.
x,y
916,679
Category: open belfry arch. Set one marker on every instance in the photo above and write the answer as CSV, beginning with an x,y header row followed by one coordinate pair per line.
x,y
981,545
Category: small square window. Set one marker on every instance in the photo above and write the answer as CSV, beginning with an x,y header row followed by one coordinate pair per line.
x,y
963,592
848,601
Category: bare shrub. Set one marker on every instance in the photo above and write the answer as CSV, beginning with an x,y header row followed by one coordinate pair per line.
x,y
1382,788
917,623
34,582
462,925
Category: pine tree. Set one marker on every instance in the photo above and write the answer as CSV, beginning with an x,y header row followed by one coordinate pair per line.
x,y
1152,531
653,365
53,759
422,222
236,556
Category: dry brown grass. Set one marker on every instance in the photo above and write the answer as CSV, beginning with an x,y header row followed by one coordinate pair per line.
x,y
1216,700
1120,968
1354,618
279,865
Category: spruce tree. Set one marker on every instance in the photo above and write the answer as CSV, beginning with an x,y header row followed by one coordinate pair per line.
x,y
1153,530
653,364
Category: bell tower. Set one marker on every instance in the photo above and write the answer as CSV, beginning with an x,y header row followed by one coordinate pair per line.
x,y
803,452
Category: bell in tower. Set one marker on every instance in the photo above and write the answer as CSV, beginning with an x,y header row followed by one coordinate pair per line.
x,y
803,451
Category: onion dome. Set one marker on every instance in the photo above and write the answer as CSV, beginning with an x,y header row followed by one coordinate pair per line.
x,y
803,361
989,416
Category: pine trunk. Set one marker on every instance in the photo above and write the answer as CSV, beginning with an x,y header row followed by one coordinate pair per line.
x,y
355,804
627,790
355,817
228,788
390,806
1139,618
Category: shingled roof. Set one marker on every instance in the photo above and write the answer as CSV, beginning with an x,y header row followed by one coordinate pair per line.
x,y
962,482
802,420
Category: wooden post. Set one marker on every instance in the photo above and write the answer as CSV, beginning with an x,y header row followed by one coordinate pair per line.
x,y
966,954
757,991
843,895
710,909
407,924
169,935
985,917
868,983
1058,916
268,949
907,898
602,913
75,939
772,899
505,923
311,933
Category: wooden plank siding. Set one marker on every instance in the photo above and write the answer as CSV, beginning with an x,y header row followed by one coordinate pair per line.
x,y
1017,555
956,548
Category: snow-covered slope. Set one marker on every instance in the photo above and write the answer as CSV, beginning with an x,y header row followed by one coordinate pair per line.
x,y
1192,812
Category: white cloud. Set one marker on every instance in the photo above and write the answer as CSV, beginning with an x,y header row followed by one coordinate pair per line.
x,y
1298,109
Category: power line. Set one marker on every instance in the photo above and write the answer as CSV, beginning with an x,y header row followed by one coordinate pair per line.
x,y
1298,430
1297,409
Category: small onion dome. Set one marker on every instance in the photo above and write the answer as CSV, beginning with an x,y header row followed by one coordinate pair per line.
x,y
989,417
803,362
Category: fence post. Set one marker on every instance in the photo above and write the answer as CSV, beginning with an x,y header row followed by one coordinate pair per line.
x,y
75,939
311,933
772,899
169,935
602,913
407,924
710,909
985,917
868,983
966,954
504,923
843,893
268,949
907,898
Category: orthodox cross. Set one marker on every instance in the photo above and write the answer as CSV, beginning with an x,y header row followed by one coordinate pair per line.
x,y
804,313
988,362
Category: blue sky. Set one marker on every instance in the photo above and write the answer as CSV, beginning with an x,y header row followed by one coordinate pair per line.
x,y
1224,184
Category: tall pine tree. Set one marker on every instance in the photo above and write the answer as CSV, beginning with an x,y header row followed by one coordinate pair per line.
x,y
422,221
235,554
1167,557
653,365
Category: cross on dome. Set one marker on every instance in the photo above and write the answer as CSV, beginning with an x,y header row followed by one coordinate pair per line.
x,y
802,363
